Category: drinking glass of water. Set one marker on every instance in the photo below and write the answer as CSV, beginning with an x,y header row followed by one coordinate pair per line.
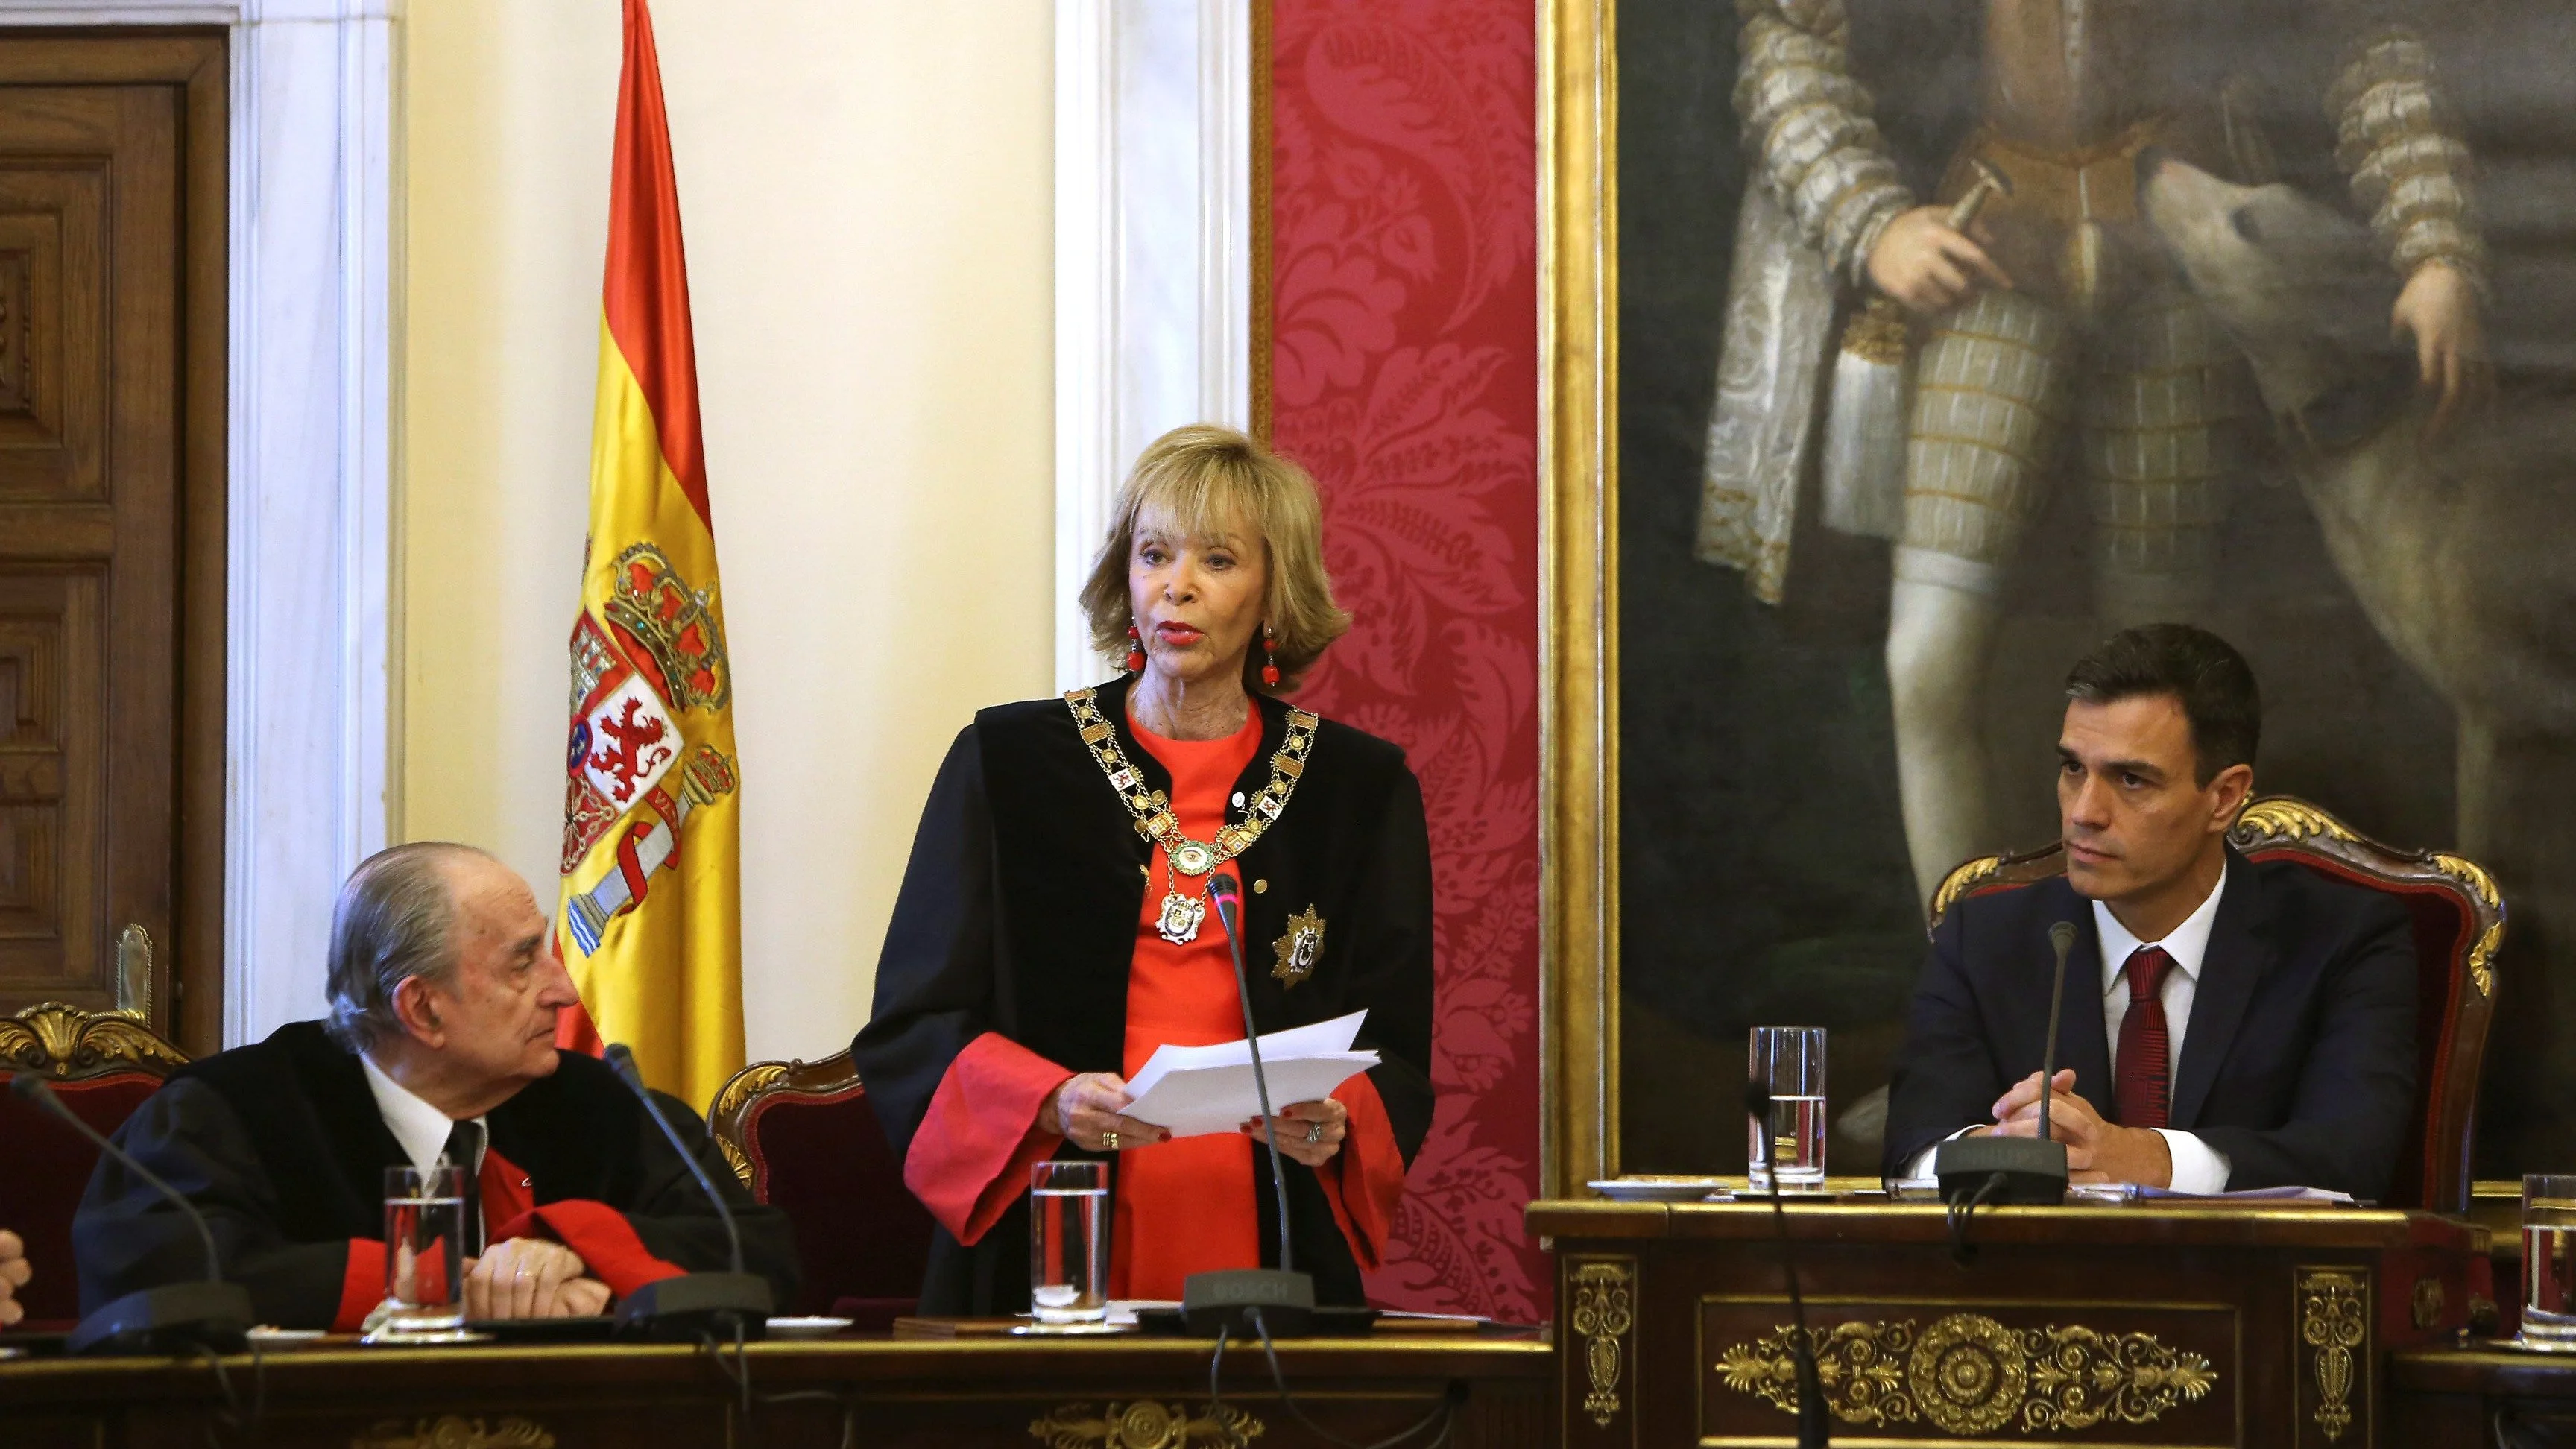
x,y
424,1255
1790,1061
2549,1263
1069,1242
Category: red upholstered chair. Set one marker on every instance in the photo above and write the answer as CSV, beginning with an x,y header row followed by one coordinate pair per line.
x,y
102,1065
805,1141
2459,923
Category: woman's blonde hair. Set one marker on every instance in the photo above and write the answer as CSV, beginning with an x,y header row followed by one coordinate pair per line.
x,y
1201,479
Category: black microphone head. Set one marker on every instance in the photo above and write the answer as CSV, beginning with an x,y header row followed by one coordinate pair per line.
x,y
30,1088
1757,1099
1222,887
621,1061
2062,936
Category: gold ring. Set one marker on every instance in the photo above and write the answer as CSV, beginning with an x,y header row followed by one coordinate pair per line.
x,y
1109,1140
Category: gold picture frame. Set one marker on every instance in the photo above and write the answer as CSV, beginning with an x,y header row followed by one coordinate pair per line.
x,y
1578,115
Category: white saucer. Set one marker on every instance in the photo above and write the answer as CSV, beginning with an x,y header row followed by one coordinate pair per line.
x,y
817,1327
267,1337
1659,1189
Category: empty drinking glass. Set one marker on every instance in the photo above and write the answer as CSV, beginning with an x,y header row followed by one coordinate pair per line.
x,y
1789,1061
424,1255
1069,1242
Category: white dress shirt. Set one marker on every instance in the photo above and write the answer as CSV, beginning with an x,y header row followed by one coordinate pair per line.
x,y
2197,1167
419,1128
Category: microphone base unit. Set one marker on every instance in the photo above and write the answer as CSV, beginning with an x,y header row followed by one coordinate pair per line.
x,y
2033,1172
1225,1299
697,1305
169,1319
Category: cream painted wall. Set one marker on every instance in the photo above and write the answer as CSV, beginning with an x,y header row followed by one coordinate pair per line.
x,y
866,188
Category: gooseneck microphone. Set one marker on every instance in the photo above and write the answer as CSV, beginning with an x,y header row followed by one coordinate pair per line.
x,y
1229,1299
2062,937
2029,1170
1814,1423
211,1314
685,1308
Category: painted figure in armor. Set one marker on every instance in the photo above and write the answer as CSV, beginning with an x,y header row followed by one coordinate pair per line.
x,y
2048,338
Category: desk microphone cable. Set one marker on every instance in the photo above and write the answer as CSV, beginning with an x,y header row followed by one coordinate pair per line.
x,y
1958,1210
1443,1414
738,1373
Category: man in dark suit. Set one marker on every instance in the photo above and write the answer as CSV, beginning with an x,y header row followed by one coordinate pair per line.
x,y
2255,1024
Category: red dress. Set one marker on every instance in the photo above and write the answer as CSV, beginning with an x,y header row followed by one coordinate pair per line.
x,y
1180,1206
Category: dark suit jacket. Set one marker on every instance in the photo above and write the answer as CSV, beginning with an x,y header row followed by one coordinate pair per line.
x,y
2298,1061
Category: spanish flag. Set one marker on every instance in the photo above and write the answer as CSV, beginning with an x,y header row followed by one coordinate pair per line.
x,y
650,919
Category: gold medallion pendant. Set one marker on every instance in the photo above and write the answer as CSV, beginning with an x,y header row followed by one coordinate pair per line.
x,y
1179,921
1192,857
1300,949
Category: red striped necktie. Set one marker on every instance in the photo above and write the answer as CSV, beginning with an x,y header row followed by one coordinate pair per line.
x,y
2144,1090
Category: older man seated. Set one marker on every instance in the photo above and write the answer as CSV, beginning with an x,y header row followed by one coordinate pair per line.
x,y
444,985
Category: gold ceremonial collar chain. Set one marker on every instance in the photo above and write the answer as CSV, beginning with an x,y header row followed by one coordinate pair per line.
x,y
1153,810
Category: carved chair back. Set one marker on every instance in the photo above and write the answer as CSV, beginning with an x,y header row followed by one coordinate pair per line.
x,y
804,1140
102,1065
2458,916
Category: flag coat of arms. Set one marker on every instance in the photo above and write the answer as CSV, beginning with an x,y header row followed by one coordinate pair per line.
x,y
650,914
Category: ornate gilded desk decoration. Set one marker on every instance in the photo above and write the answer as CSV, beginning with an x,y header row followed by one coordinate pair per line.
x,y
1605,1309
449,1431
1968,1374
2334,1326
1145,1424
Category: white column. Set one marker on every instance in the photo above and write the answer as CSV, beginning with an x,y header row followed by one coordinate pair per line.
x,y
1153,255
312,676
310,670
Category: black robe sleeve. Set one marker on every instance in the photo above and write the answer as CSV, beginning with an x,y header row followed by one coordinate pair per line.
x,y
128,1237
1392,965
936,978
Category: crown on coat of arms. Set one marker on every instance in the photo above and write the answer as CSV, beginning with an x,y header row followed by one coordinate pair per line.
x,y
674,624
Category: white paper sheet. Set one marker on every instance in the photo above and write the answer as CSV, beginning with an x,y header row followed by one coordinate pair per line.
x,y
1198,1090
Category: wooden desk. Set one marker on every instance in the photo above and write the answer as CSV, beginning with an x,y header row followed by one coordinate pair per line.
x,y
1111,1393
2481,1397
2110,1325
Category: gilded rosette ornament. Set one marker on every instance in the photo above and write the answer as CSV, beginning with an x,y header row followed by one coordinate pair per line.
x,y
1970,1375
1145,1424
2334,1327
451,1431
1605,1309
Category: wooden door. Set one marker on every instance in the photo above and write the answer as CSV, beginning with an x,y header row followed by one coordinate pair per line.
x,y
112,207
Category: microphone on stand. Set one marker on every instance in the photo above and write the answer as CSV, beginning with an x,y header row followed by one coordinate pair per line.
x,y
212,1314
2029,1170
1814,1425
685,1308
1276,1302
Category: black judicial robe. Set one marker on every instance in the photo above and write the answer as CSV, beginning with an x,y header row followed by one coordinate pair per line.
x,y
1018,915
281,1146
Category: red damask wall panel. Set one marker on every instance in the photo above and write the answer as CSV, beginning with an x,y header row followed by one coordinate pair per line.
x,y
1404,375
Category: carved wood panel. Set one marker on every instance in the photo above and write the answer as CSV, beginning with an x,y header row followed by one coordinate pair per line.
x,y
110,522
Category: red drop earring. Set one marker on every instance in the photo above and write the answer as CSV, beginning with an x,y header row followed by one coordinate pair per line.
x,y
1269,657
1135,651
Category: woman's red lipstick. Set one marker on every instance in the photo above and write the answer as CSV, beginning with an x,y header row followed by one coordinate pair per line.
x,y
1172,631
